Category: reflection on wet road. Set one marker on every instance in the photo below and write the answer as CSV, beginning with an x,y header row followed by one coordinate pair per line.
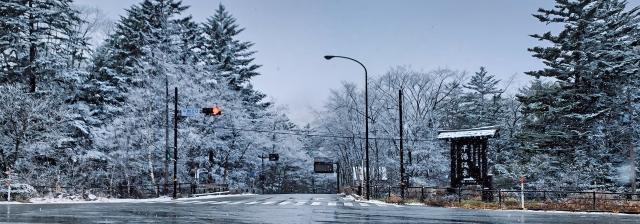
x,y
297,208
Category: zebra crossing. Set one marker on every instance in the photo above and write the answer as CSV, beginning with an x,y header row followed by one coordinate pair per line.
x,y
275,203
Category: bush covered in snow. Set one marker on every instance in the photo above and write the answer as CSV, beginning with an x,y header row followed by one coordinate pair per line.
x,y
18,191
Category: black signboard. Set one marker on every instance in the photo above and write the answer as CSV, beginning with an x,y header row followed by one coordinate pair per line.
x,y
274,157
321,167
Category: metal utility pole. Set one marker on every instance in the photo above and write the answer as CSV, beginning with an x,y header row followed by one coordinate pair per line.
x,y
630,145
338,176
175,145
262,176
402,183
167,150
366,123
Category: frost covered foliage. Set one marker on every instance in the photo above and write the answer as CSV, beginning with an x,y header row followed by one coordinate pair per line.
x,y
434,100
22,191
578,125
427,96
107,122
38,40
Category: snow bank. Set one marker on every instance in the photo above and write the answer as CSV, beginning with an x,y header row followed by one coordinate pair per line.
x,y
61,199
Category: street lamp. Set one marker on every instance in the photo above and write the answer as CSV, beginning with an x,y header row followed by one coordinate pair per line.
x,y
366,119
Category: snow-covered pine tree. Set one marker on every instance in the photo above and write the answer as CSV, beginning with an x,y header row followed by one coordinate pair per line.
x,y
483,103
231,58
585,64
591,61
148,47
37,39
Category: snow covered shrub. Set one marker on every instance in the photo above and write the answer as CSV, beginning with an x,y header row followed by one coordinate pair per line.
x,y
18,191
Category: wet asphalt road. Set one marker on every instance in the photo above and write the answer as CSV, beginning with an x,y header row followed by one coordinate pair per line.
x,y
296,208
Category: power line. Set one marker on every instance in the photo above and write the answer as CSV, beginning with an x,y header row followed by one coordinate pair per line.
x,y
317,135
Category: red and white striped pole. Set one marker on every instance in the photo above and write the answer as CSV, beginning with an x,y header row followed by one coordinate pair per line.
x,y
522,191
9,185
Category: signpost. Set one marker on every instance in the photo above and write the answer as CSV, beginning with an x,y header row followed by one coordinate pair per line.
x,y
322,165
522,191
188,112
325,165
9,186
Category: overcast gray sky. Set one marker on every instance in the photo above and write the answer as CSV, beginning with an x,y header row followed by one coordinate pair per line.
x,y
292,36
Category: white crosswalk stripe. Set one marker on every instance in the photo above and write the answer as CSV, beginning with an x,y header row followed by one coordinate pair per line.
x,y
286,202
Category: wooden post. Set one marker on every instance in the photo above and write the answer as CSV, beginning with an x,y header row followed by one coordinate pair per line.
x,y
452,172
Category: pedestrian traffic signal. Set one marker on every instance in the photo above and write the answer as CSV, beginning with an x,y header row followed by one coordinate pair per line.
x,y
212,111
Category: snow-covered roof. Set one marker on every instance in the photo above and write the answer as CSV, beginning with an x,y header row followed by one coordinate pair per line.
x,y
489,131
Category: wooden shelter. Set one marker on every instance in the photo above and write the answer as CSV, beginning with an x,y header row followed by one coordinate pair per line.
x,y
469,155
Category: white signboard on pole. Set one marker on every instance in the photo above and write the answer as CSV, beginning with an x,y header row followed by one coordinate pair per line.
x,y
188,112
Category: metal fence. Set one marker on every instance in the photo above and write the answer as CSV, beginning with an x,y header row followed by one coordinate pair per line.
x,y
511,199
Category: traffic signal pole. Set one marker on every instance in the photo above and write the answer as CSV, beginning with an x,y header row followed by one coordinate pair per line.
x,y
175,145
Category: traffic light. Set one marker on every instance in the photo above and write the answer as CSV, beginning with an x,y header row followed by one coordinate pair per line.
x,y
274,157
215,111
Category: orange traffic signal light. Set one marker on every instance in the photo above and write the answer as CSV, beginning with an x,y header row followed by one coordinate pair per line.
x,y
212,111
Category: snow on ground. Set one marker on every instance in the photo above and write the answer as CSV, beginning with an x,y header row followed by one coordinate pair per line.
x,y
349,198
78,199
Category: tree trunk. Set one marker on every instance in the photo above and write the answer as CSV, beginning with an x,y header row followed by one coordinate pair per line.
x,y
32,52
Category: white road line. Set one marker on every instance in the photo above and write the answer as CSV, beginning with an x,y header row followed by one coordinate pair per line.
x,y
269,202
219,202
300,203
237,202
201,202
251,203
284,203
316,203
184,202
332,204
381,205
363,204
398,206
348,204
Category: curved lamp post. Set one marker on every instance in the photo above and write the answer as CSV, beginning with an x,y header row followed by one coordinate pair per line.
x,y
366,115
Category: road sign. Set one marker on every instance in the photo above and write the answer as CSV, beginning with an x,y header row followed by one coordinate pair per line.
x,y
188,112
320,167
